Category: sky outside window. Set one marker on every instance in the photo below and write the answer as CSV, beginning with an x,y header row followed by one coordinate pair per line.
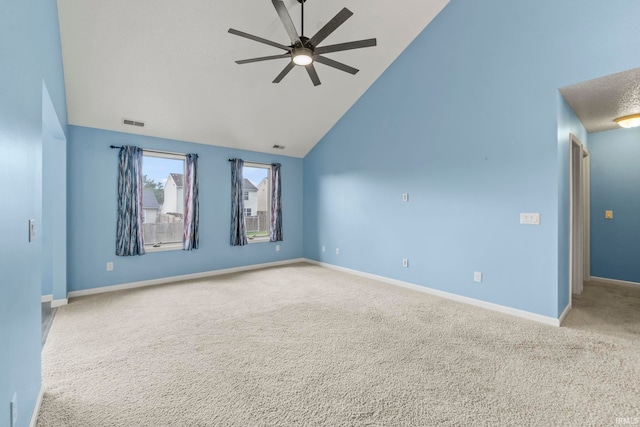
x,y
158,168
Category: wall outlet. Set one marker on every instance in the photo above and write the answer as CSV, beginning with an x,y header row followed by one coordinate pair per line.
x,y
324,248
477,277
14,410
405,263
405,197
277,248
109,266
337,251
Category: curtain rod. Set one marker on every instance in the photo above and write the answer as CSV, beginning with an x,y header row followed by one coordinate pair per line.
x,y
154,151
259,163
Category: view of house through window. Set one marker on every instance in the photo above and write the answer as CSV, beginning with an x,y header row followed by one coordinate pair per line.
x,y
163,200
257,199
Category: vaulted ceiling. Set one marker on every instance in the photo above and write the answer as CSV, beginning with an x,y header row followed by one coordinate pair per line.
x,y
170,64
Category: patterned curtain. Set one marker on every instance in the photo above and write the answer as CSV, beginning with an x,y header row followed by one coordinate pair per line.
x,y
275,228
191,238
129,237
238,227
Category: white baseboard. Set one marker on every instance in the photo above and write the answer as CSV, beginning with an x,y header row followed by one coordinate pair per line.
x,y
614,282
564,314
192,276
459,298
59,302
36,409
54,302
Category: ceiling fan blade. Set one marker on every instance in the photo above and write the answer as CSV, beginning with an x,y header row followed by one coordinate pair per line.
x,y
330,26
264,58
313,74
336,64
286,21
259,39
284,72
346,46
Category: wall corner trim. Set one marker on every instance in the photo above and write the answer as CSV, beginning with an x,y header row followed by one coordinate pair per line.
x,y
564,314
36,409
459,298
161,281
46,298
614,282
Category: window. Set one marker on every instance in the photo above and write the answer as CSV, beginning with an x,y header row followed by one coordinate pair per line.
x,y
257,200
163,200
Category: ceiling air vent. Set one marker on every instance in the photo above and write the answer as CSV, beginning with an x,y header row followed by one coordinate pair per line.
x,y
279,147
132,123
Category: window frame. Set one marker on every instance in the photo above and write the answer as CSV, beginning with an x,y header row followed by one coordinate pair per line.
x,y
269,168
149,248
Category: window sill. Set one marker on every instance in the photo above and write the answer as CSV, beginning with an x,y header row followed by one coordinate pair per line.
x,y
258,239
163,248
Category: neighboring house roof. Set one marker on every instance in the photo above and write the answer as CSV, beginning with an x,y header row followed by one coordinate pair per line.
x,y
248,185
178,178
149,199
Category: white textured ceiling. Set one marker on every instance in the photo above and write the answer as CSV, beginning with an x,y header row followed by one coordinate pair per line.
x,y
171,65
598,102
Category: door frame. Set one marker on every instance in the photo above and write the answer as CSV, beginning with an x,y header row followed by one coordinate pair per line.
x,y
586,188
579,218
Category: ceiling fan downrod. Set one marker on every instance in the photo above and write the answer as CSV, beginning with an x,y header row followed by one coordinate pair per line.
x,y
302,18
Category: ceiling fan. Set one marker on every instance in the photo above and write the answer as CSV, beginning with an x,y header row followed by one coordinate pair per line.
x,y
304,51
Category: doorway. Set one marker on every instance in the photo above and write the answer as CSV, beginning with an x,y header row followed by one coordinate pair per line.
x,y
54,213
579,219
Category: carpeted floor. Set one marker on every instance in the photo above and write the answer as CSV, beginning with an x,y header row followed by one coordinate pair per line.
x,y
302,345
607,309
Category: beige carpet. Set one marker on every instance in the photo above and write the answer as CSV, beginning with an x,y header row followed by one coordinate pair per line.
x,y
607,309
306,346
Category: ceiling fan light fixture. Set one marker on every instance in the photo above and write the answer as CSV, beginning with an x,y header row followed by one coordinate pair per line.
x,y
302,56
631,121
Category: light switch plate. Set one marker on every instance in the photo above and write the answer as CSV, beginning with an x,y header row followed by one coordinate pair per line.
x,y
608,214
530,218
32,229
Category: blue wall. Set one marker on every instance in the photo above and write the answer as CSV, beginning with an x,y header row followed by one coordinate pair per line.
x,y
30,54
615,185
92,211
466,122
568,124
